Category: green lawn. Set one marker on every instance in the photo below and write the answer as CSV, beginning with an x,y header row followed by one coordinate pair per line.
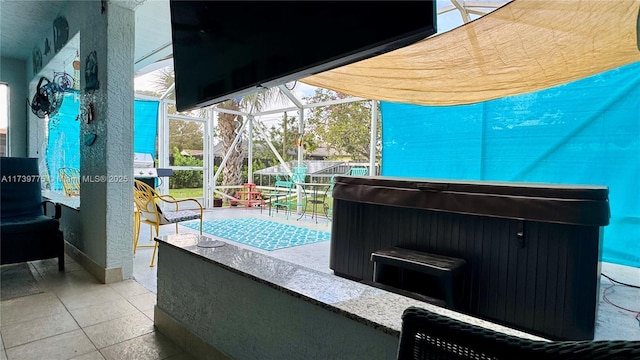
x,y
186,193
319,205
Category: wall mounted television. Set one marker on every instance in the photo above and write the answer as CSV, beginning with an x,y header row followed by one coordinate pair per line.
x,y
227,49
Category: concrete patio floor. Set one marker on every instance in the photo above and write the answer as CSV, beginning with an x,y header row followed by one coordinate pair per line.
x,y
612,321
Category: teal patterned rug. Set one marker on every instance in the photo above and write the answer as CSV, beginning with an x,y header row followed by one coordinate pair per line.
x,y
263,234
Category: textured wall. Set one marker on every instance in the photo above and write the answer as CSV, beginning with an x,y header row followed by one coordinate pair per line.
x,y
12,72
107,217
119,154
247,319
106,214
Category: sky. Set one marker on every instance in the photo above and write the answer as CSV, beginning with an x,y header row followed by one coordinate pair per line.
x,y
145,82
300,90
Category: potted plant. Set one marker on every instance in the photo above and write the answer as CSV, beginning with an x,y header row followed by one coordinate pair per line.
x,y
217,201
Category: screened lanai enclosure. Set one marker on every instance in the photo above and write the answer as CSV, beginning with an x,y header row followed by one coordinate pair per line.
x,y
524,91
157,133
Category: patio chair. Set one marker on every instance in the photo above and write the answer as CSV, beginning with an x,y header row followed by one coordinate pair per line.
x,y
278,197
284,194
328,203
299,174
248,196
358,171
27,233
70,178
427,335
149,210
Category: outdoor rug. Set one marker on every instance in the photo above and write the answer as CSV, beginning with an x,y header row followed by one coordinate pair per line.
x,y
263,234
16,280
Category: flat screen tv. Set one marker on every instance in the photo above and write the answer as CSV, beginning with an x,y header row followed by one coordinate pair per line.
x,y
227,49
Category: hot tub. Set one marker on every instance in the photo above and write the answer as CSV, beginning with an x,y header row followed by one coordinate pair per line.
x,y
532,250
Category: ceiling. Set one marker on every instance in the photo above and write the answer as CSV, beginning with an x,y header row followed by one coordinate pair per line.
x,y
21,23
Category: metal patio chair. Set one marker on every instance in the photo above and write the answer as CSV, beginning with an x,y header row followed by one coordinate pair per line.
x,y
70,178
328,203
149,211
285,194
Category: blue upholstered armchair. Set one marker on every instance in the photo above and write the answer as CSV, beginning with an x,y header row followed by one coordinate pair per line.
x,y
26,232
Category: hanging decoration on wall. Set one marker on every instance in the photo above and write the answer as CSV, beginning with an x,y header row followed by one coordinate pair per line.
x,y
47,99
92,103
47,47
63,80
91,72
90,139
60,33
91,113
76,71
37,60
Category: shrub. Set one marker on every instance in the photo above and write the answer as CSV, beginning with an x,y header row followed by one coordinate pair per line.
x,y
185,178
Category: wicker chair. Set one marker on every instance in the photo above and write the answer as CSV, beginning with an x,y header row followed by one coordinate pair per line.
x,y
427,335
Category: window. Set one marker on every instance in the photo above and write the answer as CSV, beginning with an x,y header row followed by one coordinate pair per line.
x,y
4,119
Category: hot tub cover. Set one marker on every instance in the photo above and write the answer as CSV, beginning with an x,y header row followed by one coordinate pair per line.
x,y
558,203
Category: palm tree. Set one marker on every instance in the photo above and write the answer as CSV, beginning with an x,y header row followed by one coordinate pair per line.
x,y
164,81
229,124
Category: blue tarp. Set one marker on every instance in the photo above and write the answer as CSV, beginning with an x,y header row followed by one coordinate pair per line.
x,y
63,142
145,126
585,132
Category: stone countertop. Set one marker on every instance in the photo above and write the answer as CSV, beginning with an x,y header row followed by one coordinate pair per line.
x,y
371,306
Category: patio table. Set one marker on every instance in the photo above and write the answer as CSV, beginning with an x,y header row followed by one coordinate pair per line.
x,y
312,188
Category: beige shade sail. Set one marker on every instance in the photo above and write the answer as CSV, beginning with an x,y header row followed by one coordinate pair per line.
x,y
524,46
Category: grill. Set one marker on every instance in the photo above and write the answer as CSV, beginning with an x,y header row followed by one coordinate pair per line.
x,y
143,168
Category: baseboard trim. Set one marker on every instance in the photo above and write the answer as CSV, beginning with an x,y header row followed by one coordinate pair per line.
x,y
105,276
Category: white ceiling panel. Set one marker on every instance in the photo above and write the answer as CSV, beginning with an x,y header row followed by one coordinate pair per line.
x,y
27,21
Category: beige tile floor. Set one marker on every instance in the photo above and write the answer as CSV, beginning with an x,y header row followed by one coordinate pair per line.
x,y
76,317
